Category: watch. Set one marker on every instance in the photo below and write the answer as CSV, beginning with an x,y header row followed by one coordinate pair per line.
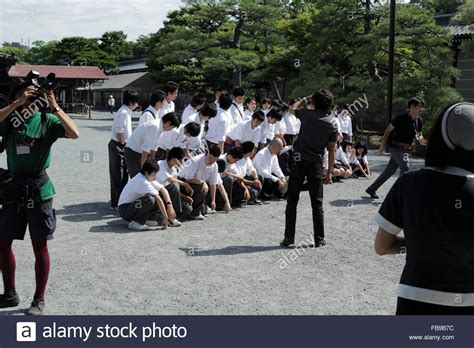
x,y
56,109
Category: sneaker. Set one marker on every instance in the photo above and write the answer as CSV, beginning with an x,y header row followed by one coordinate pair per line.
x,y
196,217
287,243
9,300
114,208
211,211
372,193
152,223
138,227
174,223
37,307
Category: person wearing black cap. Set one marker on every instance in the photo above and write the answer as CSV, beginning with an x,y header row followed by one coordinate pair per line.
x,y
433,206
397,139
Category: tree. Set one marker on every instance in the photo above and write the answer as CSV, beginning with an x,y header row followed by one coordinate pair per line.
x,y
41,53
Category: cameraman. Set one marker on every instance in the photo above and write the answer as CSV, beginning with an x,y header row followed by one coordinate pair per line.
x,y
28,198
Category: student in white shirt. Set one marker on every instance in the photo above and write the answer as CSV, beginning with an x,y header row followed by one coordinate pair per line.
x,y
342,167
266,164
250,107
249,130
111,103
267,127
182,135
237,108
153,111
195,144
121,131
140,200
171,90
346,125
220,125
337,122
197,103
361,155
292,124
219,91
227,175
266,105
180,192
201,172
144,142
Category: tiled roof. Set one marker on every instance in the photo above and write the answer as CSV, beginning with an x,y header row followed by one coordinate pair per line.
x,y
62,72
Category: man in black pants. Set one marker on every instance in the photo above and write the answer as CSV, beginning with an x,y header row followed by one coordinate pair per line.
x,y
317,133
398,138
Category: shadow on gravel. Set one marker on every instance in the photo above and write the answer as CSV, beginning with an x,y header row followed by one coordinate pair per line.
x,y
351,202
13,312
87,212
114,226
230,250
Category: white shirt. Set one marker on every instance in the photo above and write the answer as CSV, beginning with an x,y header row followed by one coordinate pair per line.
x,y
138,187
244,132
237,113
266,165
337,123
218,127
195,142
292,124
346,124
247,115
179,139
188,111
244,167
149,115
275,129
228,167
264,128
111,102
196,168
145,137
165,173
167,139
122,123
168,106
363,159
341,157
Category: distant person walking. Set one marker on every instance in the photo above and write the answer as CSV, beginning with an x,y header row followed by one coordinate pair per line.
x,y
111,103
398,139
433,206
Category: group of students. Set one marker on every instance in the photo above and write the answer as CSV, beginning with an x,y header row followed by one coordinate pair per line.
x,y
215,156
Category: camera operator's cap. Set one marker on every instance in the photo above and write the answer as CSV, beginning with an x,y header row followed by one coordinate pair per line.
x,y
458,126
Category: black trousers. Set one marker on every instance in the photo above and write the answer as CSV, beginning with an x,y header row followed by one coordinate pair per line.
x,y
410,307
228,183
199,198
141,211
117,170
313,171
398,159
132,161
289,139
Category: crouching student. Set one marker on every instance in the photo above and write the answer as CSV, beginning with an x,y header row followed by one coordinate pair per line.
x,y
350,153
361,154
167,137
195,144
248,130
268,127
342,168
168,177
229,177
140,203
201,173
266,164
182,136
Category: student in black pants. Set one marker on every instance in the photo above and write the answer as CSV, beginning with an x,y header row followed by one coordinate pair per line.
x,y
317,133
433,206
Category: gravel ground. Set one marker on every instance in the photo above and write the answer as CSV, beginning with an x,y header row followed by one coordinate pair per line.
x,y
227,264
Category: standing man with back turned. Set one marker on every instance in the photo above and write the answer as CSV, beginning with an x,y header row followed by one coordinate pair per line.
x,y
317,133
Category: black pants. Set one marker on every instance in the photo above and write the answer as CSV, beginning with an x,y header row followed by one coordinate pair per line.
x,y
289,139
269,187
313,171
180,207
410,307
117,170
228,183
238,192
199,197
141,211
132,161
398,159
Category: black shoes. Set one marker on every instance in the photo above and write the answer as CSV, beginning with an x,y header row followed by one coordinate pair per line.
x,y
37,307
372,193
320,242
9,300
287,243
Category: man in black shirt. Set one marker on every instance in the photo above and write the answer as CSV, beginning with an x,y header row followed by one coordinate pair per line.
x,y
317,133
397,139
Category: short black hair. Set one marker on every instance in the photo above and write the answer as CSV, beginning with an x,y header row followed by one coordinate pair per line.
x,y
214,150
236,153
150,166
438,154
176,152
130,97
197,100
171,87
360,145
259,115
157,96
238,92
265,101
415,101
293,101
345,144
221,89
323,100
225,101
277,104
221,165
249,100
193,129
209,110
16,89
172,118
247,147
275,114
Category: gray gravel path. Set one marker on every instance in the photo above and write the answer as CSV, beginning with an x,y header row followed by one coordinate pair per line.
x,y
228,264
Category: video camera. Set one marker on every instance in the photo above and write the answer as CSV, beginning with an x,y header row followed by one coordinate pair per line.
x,y
48,84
